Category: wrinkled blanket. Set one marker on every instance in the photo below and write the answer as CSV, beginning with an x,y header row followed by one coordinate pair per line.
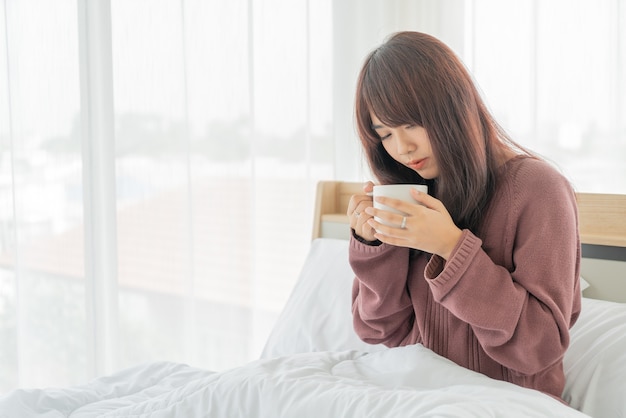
x,y
399,382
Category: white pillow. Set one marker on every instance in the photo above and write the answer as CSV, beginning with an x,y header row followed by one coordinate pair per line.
x,y
584,284
318,313
595,363
318,317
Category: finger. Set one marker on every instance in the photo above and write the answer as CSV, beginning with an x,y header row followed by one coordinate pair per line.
x,y
362,224
385,221
388,234
365,202
363,228
399,205
355,202
368,187
381,230
352,212
426,200
351,206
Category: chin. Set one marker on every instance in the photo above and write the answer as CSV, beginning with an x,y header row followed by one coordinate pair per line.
x,y
427,174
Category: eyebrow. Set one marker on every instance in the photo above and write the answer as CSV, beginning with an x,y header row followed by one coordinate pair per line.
x,y
374,127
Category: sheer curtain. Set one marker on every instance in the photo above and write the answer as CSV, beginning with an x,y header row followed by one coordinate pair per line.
x,y
158,158
158,168
552,72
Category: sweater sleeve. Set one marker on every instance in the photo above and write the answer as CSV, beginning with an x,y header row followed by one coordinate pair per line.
x,y
521,317
381,306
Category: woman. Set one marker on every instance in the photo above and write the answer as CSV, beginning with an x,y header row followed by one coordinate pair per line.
x,y
485,270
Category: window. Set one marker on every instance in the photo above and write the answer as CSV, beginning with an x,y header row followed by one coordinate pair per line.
x,y
158,169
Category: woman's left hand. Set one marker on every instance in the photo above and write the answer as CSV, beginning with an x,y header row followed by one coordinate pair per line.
x,y
428,226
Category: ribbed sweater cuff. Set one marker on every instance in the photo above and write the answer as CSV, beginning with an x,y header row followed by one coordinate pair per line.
x,y
442,275
368,247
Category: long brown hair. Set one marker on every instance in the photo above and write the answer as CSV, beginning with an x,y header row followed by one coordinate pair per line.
x,y
413,78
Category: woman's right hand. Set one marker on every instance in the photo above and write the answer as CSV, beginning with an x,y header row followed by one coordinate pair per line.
x,y
356,213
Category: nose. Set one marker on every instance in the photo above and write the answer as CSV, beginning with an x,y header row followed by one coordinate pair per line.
x,y
404,144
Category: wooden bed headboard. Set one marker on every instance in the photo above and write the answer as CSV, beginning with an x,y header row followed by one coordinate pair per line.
x,y
602,225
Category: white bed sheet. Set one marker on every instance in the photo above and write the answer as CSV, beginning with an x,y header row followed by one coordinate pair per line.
x,y
399,382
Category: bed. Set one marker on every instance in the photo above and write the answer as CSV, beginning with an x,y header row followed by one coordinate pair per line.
x,y
314,365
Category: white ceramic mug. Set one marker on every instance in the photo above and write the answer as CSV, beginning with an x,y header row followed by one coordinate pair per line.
x,y
396,191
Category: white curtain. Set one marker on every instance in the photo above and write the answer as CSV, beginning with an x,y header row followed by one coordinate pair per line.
x,y
158,169
552,72
158,158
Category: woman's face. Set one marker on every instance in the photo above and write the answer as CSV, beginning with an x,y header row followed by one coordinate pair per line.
x,y
408,145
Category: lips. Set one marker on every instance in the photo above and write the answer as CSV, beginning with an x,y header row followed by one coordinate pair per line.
x,y
417,164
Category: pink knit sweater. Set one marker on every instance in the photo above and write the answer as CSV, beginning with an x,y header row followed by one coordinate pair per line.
x,y
503,303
